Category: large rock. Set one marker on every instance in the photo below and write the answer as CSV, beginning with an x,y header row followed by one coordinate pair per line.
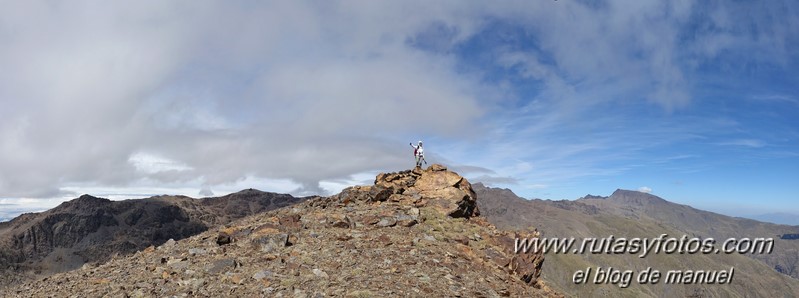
x,y
444,190
526,265
434,180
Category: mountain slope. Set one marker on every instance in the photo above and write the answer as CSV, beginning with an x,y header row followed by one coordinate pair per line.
x,y
90,229
412,233
631,214
633,204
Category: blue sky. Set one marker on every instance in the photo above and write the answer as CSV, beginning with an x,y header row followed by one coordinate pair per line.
x,y
693,102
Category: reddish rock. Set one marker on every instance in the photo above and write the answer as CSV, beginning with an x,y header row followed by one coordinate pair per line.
x,y
370,219
445,190
290,220
341,221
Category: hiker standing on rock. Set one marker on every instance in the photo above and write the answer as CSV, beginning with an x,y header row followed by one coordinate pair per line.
x,y
418,152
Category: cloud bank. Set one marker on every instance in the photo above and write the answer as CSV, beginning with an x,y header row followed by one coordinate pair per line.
x,y
308,96
110,93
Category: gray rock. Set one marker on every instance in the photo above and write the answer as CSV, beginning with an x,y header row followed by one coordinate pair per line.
x,y
196,251
319,273
178,265
169,243
194,283
299,294
270,243
262,274
222,265
413,212
387,221
406,220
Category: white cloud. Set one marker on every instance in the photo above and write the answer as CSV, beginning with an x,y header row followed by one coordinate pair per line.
x,y
305,96
777,98
751,143
111,93
645,189
151,164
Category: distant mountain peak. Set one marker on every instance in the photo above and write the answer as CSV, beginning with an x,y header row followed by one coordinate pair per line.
x,y
249,191
507,193
91,198
83,203
635,197
592,197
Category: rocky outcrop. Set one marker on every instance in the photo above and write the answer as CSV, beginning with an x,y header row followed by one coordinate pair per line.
x,y
436,187
412,233
443,193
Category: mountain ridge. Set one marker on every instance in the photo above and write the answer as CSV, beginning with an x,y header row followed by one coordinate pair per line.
x,y
632,214
411,233
93,229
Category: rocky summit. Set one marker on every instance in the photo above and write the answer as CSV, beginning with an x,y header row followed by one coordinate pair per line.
x,y
411,234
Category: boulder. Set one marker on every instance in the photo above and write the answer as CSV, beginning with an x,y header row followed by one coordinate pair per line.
x,y
380,193
433,180
340,221
223,238
270,243
437,167
387,221
446,191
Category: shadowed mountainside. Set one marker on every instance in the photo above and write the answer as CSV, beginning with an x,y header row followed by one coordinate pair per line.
x,y
633,214
91,229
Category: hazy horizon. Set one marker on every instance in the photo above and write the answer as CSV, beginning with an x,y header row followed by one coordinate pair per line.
x,y
10,211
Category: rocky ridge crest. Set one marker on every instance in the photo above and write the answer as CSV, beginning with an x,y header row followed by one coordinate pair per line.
x,y
412,233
